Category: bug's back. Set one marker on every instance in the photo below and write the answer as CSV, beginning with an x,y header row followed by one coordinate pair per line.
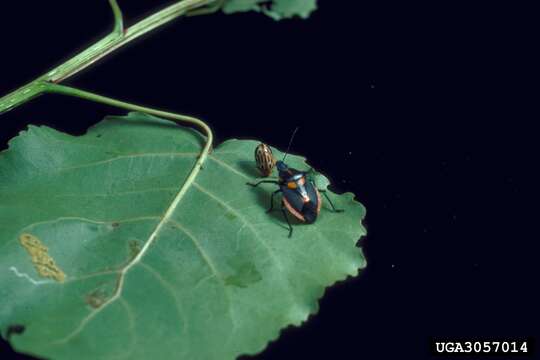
x,y
300,196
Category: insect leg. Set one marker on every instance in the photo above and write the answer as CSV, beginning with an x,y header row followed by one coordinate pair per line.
x,y
272,200
330,202
286,218
263,182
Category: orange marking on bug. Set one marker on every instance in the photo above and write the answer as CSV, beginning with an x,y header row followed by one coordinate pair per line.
x,y
293,211
319,202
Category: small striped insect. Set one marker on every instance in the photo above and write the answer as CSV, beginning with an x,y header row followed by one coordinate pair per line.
x,y
264,159
301,198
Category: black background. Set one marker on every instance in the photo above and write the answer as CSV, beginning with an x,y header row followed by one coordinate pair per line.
x,y
417,108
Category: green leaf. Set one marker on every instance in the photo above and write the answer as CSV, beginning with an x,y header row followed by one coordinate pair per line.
x,y
277,9
80,270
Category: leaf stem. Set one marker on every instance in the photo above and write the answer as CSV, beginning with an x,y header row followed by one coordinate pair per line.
x,y
212,8
111,42
70,91
118,18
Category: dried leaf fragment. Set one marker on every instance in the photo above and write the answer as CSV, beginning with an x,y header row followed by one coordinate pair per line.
x,y
43,262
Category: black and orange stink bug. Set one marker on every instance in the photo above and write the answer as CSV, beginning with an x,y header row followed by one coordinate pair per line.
x,y
264,159
300,195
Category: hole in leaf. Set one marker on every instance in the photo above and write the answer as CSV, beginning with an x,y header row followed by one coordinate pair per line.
x,y
15,329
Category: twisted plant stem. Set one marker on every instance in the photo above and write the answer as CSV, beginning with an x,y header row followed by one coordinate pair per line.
x,y
70,91
119,37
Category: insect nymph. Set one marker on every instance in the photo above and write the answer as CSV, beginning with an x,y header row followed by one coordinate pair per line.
x,y
264,159
301,197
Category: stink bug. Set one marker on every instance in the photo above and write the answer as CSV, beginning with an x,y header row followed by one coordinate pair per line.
x,y
300,195
264,159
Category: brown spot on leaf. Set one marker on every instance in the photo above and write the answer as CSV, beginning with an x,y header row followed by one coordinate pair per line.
x,y
43,262
134,248
230,215
96,298
115,224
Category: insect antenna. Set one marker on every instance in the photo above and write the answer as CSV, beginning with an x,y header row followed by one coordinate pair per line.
x,y
290,142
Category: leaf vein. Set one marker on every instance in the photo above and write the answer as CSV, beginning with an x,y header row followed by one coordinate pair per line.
x,y
209,262
228,167
269,250
127,156
171,291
